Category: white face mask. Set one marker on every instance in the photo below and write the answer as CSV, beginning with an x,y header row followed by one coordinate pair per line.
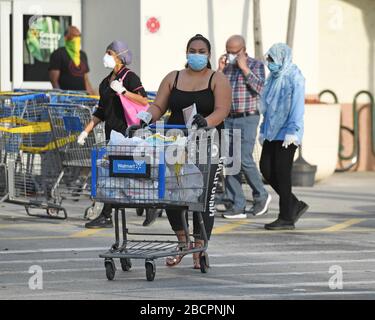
x,y
232,58
108,61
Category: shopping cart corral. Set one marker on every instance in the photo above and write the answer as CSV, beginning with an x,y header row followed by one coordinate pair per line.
x,y
30,164
139,173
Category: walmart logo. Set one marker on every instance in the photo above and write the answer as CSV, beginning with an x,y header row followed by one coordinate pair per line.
x,y
129,166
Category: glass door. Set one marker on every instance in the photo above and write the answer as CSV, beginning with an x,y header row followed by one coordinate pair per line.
x,y
38,29
5,46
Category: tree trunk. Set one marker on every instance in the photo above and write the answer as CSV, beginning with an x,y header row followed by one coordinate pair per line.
x,y
258,45
291,23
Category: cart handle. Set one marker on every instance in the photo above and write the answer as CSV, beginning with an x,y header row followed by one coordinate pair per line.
x,y
168,126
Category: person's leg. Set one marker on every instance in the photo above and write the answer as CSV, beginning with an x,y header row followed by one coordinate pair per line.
x,y
234,182
151,215
208,216
265,163
229,194
175,220
269,165
107,211
283,171
175,217
249,127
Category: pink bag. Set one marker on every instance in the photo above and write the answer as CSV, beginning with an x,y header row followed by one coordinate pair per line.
x,y
131,108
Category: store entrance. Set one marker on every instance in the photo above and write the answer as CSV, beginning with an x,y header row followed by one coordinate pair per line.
x,y
31,31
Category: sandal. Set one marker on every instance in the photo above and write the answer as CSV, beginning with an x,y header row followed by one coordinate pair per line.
x,y
175,260
197,255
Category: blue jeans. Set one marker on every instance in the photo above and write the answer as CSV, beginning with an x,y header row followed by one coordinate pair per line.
x,y
234,192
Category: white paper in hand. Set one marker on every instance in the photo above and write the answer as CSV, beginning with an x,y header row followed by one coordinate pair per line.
x,y
189,114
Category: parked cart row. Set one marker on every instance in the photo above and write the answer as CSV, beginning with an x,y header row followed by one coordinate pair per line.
x,y
40,161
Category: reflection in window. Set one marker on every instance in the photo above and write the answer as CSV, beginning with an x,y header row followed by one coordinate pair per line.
x,y
42,35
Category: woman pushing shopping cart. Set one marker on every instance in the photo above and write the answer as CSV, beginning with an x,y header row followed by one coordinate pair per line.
x,y
211,93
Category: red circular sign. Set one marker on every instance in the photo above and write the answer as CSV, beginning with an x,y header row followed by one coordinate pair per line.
x,y
153,25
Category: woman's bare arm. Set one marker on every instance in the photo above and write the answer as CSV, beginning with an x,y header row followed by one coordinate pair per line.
x,y
92,124
223,100
160,104
136,97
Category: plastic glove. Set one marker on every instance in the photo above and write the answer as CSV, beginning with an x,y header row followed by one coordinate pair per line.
x,y
199,121
82,138
261,139
145,117
290,139
118,87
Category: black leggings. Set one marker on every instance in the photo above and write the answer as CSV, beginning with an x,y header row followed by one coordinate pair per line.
x,y
175,215
276,166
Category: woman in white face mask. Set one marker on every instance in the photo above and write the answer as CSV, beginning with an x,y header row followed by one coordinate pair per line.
x,y
120,81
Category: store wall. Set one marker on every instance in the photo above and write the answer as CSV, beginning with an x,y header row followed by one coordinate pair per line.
x,y
347,47
103,22
164,50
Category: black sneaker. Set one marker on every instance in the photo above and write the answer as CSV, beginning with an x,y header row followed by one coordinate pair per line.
x,y
280,224
151,215
302,207
100,222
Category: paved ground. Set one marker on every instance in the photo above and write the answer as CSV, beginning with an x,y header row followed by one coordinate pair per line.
x,y
247,261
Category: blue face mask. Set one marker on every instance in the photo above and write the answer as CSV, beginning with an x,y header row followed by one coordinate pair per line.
x,y
273,67
196,61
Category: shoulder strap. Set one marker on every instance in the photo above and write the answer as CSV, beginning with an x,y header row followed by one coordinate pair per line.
x,y
126,73
209,82
176,79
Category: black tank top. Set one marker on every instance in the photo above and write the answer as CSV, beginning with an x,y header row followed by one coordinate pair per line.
x,y
178,100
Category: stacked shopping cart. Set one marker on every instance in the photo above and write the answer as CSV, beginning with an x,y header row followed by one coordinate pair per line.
x,y
40,161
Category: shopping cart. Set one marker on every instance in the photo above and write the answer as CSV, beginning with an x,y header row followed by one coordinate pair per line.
x,y
67,122
29,161
76,173
139,176
74,98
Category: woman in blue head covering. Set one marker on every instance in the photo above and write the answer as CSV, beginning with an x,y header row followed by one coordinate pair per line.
x,y
282,106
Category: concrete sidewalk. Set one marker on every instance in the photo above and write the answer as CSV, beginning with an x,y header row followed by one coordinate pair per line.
x,y
247,261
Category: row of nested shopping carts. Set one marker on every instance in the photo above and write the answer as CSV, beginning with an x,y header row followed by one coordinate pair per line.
x,y
41,163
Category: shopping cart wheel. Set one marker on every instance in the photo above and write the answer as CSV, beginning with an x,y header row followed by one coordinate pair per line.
x,y
110,269
126,264
55,213
203,261
93,211
150,270
140,212
160,212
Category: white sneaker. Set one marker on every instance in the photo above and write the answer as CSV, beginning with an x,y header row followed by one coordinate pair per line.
x,y
261,208
234,214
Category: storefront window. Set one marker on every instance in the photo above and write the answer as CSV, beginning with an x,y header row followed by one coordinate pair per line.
x,y
42,35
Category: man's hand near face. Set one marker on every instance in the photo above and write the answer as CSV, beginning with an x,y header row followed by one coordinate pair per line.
x,y
242,63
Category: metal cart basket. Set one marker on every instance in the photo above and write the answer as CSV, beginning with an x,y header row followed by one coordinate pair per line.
x,y
141,174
